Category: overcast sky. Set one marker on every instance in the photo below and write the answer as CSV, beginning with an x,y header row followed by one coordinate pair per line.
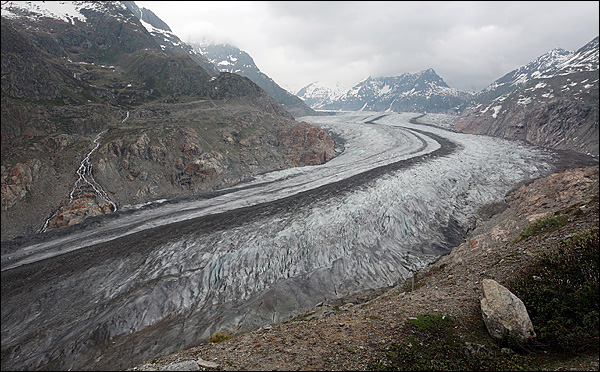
x,y
469,44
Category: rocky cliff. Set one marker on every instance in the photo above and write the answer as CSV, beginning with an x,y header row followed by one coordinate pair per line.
x,y
97,116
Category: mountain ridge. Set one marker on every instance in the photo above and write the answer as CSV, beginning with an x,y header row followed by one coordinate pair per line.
x,y
424,91
550,102
228,58
167,127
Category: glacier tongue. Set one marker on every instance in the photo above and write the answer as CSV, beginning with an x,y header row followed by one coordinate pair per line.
x,y
267,250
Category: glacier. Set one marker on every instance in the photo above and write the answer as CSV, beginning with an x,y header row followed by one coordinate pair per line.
x,y
151,280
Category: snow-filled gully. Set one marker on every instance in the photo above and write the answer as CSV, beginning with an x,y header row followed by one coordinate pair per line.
x,y
155,280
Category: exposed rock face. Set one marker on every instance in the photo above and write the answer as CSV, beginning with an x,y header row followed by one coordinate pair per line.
x,y
169,127
543,197
310,145
17,182
543,112
550,102
504,313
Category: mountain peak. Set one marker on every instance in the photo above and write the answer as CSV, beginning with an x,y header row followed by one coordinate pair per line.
x,y
147,16
229,58
424,91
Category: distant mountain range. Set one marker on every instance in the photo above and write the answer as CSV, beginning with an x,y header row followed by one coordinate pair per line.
x,y
551,101
424,91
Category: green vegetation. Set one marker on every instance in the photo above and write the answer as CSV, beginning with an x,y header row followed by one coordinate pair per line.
x,y
436,345
560,291
561,294
545,224
300,318
218,337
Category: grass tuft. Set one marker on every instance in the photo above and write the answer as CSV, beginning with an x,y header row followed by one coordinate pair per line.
x,y
219,337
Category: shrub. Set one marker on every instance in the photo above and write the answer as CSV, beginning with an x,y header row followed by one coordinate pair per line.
x,y
561,294
218,337
436,346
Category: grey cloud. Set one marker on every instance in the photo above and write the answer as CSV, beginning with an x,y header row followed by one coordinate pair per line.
x,y
470,44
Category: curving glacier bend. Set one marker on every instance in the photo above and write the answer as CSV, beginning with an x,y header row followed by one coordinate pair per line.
x,y
160,279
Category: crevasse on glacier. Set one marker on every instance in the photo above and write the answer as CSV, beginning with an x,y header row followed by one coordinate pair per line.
x,y
273,247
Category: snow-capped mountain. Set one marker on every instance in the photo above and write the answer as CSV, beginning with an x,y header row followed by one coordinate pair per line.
x,y
166,39
228,58
534,69
552,102
318,96
424,91
584,59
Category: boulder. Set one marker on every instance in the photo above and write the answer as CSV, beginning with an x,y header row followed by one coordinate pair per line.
x,y
504,313
186,365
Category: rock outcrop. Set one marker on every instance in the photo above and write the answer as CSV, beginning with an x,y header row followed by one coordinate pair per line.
x,y
504,313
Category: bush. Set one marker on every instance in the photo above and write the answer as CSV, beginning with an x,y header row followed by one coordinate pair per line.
x,y
436,346
218,337
561,294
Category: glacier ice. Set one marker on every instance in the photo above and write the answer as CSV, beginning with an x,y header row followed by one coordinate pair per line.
x,y
257,253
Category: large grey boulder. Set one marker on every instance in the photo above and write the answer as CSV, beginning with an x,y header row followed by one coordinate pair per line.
x,y
504,313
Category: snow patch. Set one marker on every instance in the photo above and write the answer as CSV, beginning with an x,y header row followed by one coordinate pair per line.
x,y
496,110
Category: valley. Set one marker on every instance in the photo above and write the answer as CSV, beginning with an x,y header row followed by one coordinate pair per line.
x,y
158,195
136,285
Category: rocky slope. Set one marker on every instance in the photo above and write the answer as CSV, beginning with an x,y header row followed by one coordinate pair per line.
x,y
216,58
97,115
358,332
424,91
229,58
551,102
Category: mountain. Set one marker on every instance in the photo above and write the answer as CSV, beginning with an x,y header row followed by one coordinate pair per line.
x,y
550,102
228,58
166,39
523,74
424,91
318,96
100,114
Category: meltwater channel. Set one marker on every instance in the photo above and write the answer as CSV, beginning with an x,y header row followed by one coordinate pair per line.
x,y
158,279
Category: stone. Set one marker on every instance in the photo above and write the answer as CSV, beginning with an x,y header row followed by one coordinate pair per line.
x,y
206,364
504,313
186,365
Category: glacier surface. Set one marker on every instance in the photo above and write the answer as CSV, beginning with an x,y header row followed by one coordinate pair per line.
x,y
155,280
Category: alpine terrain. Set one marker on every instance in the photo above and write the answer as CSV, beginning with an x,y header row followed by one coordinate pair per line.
x,y
551,102
165,206
228,58
102,111
424,91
